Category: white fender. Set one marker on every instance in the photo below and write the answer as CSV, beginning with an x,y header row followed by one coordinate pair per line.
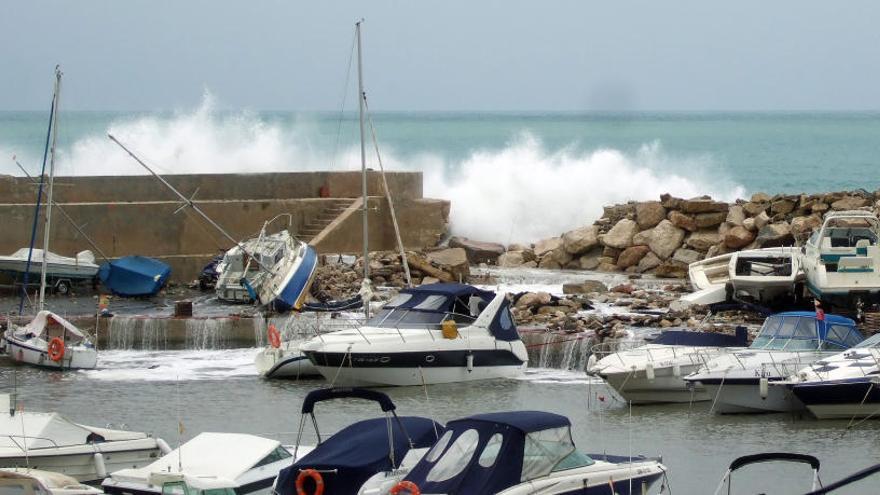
x,y
763,387
649,371
163,446
676,370
100,467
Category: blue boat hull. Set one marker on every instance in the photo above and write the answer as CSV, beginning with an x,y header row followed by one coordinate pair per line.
x,y
292,295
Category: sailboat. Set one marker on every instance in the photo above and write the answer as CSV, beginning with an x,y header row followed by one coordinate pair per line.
x,y
50,341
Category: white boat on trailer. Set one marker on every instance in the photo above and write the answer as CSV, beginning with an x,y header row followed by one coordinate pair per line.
x,y
81,266
654,372
437,333
738,382
51,442
49,341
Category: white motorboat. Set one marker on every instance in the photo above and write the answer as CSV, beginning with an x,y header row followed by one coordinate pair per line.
x,y
363,457
764,276
271,269
842,259
49,341
247,463
437,333
51,442
843,386
24,481
82,266
284,361
523,453
738,382
654,372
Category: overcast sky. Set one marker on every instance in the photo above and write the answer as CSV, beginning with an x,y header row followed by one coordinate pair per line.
x,y
574,55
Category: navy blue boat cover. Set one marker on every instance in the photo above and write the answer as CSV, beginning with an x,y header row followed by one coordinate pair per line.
x,y
506,471
358,452
323,394
703,339
134,276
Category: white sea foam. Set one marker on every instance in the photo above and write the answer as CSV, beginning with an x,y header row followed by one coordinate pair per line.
x,y
520,193
173,365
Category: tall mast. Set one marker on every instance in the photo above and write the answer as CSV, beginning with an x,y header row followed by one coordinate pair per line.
x,y
361,97
48,227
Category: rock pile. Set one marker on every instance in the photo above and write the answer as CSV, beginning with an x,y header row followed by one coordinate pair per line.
x,y
663,237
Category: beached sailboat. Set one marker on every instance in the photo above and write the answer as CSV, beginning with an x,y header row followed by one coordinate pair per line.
x,y
50,341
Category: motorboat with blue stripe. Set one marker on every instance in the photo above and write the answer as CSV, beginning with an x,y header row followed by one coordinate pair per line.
x,y
770,458
654,372
436,333
368,456
524,453
843,386
738,382
841,260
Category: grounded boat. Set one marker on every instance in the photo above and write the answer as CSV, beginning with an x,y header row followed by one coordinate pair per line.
x,y
768,276
271,269
738,382
80,267
522,453
368,456
654,372
843,386
134,276
437,333
26,481
50,341
51,442
768,457
842,259
247,463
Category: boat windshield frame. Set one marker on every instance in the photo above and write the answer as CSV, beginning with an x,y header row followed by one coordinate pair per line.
x,y
784,332
832,225
423,312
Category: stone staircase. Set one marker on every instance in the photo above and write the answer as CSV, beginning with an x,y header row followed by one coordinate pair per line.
x,y
330,212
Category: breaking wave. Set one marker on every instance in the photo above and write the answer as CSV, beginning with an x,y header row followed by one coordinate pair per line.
x,y
520,192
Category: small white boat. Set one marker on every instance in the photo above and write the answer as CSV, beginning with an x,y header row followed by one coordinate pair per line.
x,y
270,269
738,382
842,259
843,386
654,372
763,276
50,341
437,333
51,442
24,481
247,463
82,266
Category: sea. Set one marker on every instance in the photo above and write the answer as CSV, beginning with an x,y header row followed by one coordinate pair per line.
x,y
511,177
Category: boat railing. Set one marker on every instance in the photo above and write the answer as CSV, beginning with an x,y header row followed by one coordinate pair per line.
x,y
25,438
695,356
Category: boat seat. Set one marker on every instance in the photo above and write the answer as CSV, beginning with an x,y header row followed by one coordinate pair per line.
x,y
862,247
855,264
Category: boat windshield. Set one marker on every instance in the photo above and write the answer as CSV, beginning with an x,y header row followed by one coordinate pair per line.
x,y
873,341
848,232
544,450
802,333
426,311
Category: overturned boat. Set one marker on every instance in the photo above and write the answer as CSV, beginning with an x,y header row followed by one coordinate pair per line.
x,y
134,276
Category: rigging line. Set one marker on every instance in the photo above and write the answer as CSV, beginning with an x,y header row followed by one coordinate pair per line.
x,y
344,99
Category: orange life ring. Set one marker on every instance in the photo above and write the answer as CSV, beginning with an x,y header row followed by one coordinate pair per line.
x,y
56,349
274,336
309,473
409,486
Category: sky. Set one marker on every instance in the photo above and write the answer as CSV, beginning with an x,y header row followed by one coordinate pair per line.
x,y
451,55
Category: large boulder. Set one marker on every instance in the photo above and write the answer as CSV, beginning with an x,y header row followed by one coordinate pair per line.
x,y
590,261
560,255
453,261
735,215
702,205
580,240
665,239
738,237
761,219
511,259
749,224
782,206
620,236
544,246
703,220
533,300
760,197
702,240
774,235
649,262
671,269
802,227
683,221
649,214
687,256
548,263
643,237
849,203
752,208
631,256
478,251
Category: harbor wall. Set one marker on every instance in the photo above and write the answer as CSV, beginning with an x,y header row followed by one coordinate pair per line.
x,y
137,215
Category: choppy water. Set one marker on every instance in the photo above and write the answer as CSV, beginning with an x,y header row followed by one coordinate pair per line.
x,y
220,391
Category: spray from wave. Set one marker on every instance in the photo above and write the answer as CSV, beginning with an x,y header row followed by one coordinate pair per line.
x,y
519,193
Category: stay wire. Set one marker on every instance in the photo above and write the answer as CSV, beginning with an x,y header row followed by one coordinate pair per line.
x,y
344,99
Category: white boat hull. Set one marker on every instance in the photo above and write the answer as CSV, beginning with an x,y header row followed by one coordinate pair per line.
x,y
746,398
284,363
34,352
845,411
665,387
80,461
405,377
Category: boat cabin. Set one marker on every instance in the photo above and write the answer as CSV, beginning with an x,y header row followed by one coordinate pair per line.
x,y
846,240
47,325
803,331
488,453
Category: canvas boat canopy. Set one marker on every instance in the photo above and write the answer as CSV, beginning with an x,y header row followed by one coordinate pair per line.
x,y
802,330
34,430
44,321
134,276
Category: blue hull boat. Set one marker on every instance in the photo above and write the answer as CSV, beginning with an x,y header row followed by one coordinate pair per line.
x,y
134,276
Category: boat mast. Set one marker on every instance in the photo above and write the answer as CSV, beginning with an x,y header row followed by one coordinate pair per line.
x,y
48,227
361,96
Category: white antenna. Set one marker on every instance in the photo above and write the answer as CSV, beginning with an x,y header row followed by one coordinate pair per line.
x,y
48,226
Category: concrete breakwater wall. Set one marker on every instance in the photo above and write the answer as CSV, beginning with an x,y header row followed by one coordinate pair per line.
x,y
136,214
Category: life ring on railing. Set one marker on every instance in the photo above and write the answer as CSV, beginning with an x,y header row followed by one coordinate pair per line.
x,y
315,476
56,349
274,336
409,486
